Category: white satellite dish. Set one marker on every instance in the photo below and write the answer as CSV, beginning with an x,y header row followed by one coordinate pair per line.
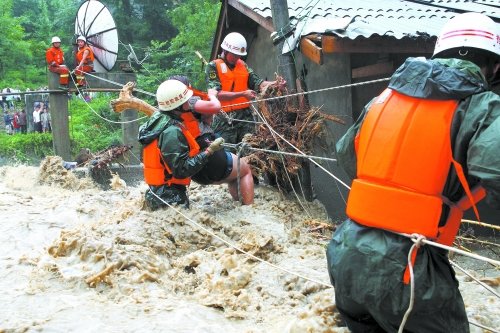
x,y
94,21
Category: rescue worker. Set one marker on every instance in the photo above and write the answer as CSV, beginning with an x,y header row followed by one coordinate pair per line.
x,y
237,84
171,155
421,152
222,166
55,61
84,59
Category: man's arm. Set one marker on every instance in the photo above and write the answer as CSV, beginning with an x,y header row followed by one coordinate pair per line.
x,y
483,160
345,147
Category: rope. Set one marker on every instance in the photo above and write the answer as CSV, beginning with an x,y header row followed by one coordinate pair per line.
x,y
313,91
263,99
452,249
418,243
302,153
327,285
473,278
231,145
80,91
483,327
120,84
274,133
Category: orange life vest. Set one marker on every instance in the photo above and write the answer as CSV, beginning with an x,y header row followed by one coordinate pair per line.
x,y
156,171
404,156
89,61
203,95
234,80
54,54
191,124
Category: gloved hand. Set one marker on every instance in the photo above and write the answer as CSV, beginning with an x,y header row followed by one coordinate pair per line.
x,y
215,145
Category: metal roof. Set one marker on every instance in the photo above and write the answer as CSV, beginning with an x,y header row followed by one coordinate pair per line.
x,y
366,18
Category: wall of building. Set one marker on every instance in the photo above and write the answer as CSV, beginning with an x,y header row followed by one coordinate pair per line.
x,y
335,71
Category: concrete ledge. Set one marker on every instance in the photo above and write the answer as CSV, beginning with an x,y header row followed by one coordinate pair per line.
x,y
131,174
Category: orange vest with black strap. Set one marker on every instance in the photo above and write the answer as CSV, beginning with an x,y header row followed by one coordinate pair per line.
x,y
89,61
404,156
156,171
191,124
234,80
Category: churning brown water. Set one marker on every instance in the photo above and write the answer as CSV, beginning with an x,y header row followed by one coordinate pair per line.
x,y
74,258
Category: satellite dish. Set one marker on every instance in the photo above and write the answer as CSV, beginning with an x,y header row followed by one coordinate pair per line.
x,y
94,21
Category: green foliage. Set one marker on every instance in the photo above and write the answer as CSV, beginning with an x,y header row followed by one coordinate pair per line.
x,y
26,148
89,125
196,21
13,49
170,30
89,128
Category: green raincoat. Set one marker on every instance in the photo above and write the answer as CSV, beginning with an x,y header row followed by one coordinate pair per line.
x,y
234,132
175,152
366,265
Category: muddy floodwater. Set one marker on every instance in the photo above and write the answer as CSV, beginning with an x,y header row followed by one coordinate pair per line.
x,y
75,258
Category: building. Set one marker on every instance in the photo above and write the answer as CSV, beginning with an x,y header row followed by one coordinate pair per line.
x,y
336,43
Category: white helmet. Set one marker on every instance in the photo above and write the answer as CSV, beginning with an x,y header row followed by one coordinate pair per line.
x,y
81,38
235,43
56,39
172,94
469,30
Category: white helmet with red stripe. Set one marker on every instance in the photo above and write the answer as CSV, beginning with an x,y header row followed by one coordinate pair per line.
x,y
235,43
172,94
469,30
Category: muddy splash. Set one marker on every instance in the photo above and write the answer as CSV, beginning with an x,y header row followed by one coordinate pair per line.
x,y
76,258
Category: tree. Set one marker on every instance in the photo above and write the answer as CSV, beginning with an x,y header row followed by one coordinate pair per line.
x,y
14,51
196,21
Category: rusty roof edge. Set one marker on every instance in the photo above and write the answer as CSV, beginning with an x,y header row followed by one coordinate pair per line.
x,y
252,14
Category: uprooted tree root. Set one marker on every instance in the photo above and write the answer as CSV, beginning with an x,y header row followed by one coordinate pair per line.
x,y
99,163
301,125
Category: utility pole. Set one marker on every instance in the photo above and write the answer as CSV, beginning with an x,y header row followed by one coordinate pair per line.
x,y
58,106
286,67
281,20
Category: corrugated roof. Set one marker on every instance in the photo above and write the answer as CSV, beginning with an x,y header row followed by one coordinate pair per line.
x,y
396,18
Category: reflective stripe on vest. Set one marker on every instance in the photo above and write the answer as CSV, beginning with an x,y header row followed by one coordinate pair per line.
x,y
404,156
156,171
234,81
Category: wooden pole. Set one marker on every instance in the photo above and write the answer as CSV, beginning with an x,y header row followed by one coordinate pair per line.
x,y
286,68
286,65
58,108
